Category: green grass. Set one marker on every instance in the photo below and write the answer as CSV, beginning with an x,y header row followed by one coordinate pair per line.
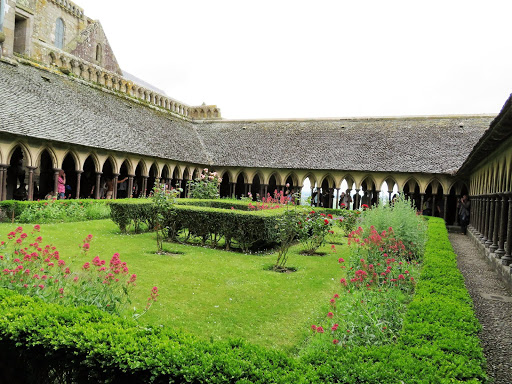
x,y
211,293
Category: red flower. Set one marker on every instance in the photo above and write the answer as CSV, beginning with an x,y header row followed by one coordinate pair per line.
x,y
320,330
313,327
330,315
335,341
326,221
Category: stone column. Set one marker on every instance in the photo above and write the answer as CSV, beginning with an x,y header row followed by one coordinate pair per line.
x,y
246,189
490,224
312,190
145,185
78,181
503,227
507,258
422,199
486,219
337,198
265,188
2,180
478,215
377,198
31,183
114,185
445,207
434,208
232,189
483,215
130,186
496,225
97,187
56,181
4,184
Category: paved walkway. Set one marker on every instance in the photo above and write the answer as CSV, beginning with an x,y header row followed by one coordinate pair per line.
x,y
493,308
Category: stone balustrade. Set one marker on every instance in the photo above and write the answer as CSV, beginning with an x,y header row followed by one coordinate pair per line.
x,y
90,72
70,7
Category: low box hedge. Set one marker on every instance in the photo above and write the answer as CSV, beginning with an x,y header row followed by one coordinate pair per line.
x,y
247,229
47,343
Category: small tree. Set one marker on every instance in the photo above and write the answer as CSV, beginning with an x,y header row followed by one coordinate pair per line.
x,y
287,229
206,186
163,201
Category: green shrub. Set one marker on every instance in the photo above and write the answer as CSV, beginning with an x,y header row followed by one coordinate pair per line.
x,y
49,211
247,229
46,343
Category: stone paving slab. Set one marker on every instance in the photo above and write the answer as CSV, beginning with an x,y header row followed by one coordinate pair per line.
x,y
493,307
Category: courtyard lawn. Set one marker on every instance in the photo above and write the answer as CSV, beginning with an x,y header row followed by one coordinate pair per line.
x,y
211,293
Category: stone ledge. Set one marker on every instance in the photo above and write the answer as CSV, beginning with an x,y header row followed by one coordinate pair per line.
x,y
503,271
9,61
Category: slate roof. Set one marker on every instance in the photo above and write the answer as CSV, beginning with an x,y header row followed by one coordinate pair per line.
x,y
405,144
499,132
65,110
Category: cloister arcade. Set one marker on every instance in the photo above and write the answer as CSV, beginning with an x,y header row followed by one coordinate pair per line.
x,y
28,172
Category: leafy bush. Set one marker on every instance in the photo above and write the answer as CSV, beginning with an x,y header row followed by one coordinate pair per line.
x,y
408,227
247,229
46,342
50,211
205,186
313,228
349,220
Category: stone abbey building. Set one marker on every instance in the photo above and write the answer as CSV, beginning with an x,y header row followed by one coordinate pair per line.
x,y
66,104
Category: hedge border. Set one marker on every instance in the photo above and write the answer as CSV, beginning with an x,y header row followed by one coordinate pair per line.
x,y
438,343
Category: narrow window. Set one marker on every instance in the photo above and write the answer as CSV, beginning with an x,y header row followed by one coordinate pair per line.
x,y
59,33
98,53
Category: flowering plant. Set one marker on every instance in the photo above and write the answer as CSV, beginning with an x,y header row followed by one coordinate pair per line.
x,y
313,228
348,222
30,268
163,200
279,200
206,186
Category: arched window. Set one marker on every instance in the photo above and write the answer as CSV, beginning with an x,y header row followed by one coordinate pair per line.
x,y
59,33
98,53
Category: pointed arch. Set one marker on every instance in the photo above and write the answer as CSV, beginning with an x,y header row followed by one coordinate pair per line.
x,y
51,154
311,177
75,158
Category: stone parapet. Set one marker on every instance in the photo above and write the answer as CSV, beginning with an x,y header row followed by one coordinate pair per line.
x,y
70,7
68,64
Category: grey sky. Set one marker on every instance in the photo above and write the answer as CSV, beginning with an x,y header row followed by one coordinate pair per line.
x,y
299,59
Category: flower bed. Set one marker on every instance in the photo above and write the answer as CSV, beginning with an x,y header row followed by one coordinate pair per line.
x,y
438,343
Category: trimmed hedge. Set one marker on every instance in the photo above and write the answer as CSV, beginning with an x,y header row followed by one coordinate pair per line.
x,y
43,343
248,229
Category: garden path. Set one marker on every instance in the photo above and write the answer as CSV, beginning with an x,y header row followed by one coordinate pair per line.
x,y
493,308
